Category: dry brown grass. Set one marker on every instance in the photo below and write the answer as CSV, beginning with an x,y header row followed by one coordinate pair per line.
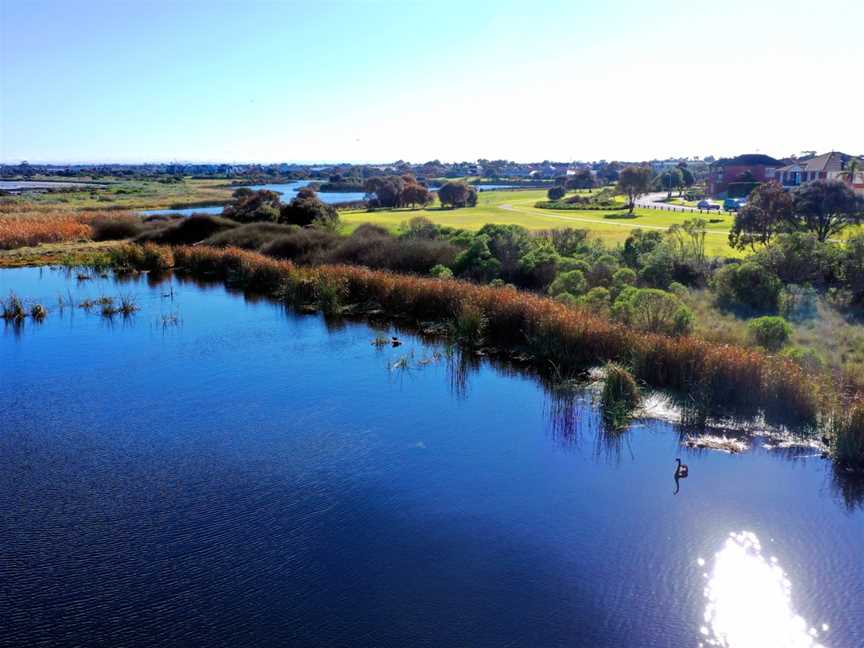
x,y
26,224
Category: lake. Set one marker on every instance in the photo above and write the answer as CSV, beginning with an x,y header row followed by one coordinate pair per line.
x,y
217,470
287,190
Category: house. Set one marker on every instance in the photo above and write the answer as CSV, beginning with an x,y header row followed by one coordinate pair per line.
x,y
748,168
828,166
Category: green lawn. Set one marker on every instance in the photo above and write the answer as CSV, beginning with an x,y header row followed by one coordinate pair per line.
x,y
518,207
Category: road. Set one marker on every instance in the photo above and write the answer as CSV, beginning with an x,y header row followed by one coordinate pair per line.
x,y
653,200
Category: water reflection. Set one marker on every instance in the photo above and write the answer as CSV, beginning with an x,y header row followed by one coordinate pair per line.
x,y
750,600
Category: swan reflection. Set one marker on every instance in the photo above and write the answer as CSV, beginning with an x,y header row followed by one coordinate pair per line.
x,y
750,601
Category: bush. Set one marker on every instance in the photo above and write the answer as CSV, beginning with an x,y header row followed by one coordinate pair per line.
x,y
556,193
572,283
769,332
188,231
116,228
303,246
250,237
807,359
597,300
653,310
747,284
441,271
622,278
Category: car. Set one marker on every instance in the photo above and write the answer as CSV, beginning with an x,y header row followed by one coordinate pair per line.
x,y
707,204
733,204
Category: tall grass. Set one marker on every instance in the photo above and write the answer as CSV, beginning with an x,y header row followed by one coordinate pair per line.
x,y
26,224
723,379
847,438
620,396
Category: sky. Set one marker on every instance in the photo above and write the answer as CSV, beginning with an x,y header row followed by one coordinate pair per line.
x,y
364,81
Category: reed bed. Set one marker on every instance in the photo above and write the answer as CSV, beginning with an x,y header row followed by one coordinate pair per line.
x,y
722,380
26,225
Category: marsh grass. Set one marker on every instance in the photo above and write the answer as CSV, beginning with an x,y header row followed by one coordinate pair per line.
x,y
619,398
13,309
847,437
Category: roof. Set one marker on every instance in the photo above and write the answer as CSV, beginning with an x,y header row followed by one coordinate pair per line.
x,y
749,159
828,162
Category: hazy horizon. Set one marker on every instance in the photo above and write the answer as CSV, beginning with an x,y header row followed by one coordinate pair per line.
x,y
257,82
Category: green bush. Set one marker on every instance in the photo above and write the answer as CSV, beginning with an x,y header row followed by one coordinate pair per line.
x,y
807,359
770,332
572,282
441,271
597,300
653,310
556,193
747,284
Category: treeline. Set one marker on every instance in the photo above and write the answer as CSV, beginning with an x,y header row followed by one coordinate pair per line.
x,y
407,191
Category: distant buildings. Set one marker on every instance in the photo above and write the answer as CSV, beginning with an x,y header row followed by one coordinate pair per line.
x,y
828,166
749,168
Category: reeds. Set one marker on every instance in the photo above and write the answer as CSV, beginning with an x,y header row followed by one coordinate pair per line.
x,y
620,396
720,378
847,438
12,309
27,224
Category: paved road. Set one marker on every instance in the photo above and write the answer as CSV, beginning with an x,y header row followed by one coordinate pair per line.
x,y
653,200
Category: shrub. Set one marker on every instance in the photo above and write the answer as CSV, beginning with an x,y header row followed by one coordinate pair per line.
x,y
114,228
556,193
747,284
807,359
622,278
188,230
769,332
650,309
251,236
303,246
597,300
572,282
441,271
566,264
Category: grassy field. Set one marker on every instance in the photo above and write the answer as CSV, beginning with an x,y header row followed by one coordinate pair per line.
x,y
518,207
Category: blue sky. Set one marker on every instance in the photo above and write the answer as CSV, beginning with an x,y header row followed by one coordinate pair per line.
x,y
379,81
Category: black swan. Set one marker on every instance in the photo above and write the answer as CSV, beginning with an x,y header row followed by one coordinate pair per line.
x,y
681,470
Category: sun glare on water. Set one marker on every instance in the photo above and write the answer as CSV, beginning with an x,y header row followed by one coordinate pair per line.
x,y
749,601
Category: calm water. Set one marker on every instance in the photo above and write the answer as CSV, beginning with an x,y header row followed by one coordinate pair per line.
x,y
288,191
216,471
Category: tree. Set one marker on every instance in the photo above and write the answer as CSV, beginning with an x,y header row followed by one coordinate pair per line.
x,y
634,181
768,210
248,206
826,207
672,179
582,179
308,210
687,177
416,194
556,193
457,194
